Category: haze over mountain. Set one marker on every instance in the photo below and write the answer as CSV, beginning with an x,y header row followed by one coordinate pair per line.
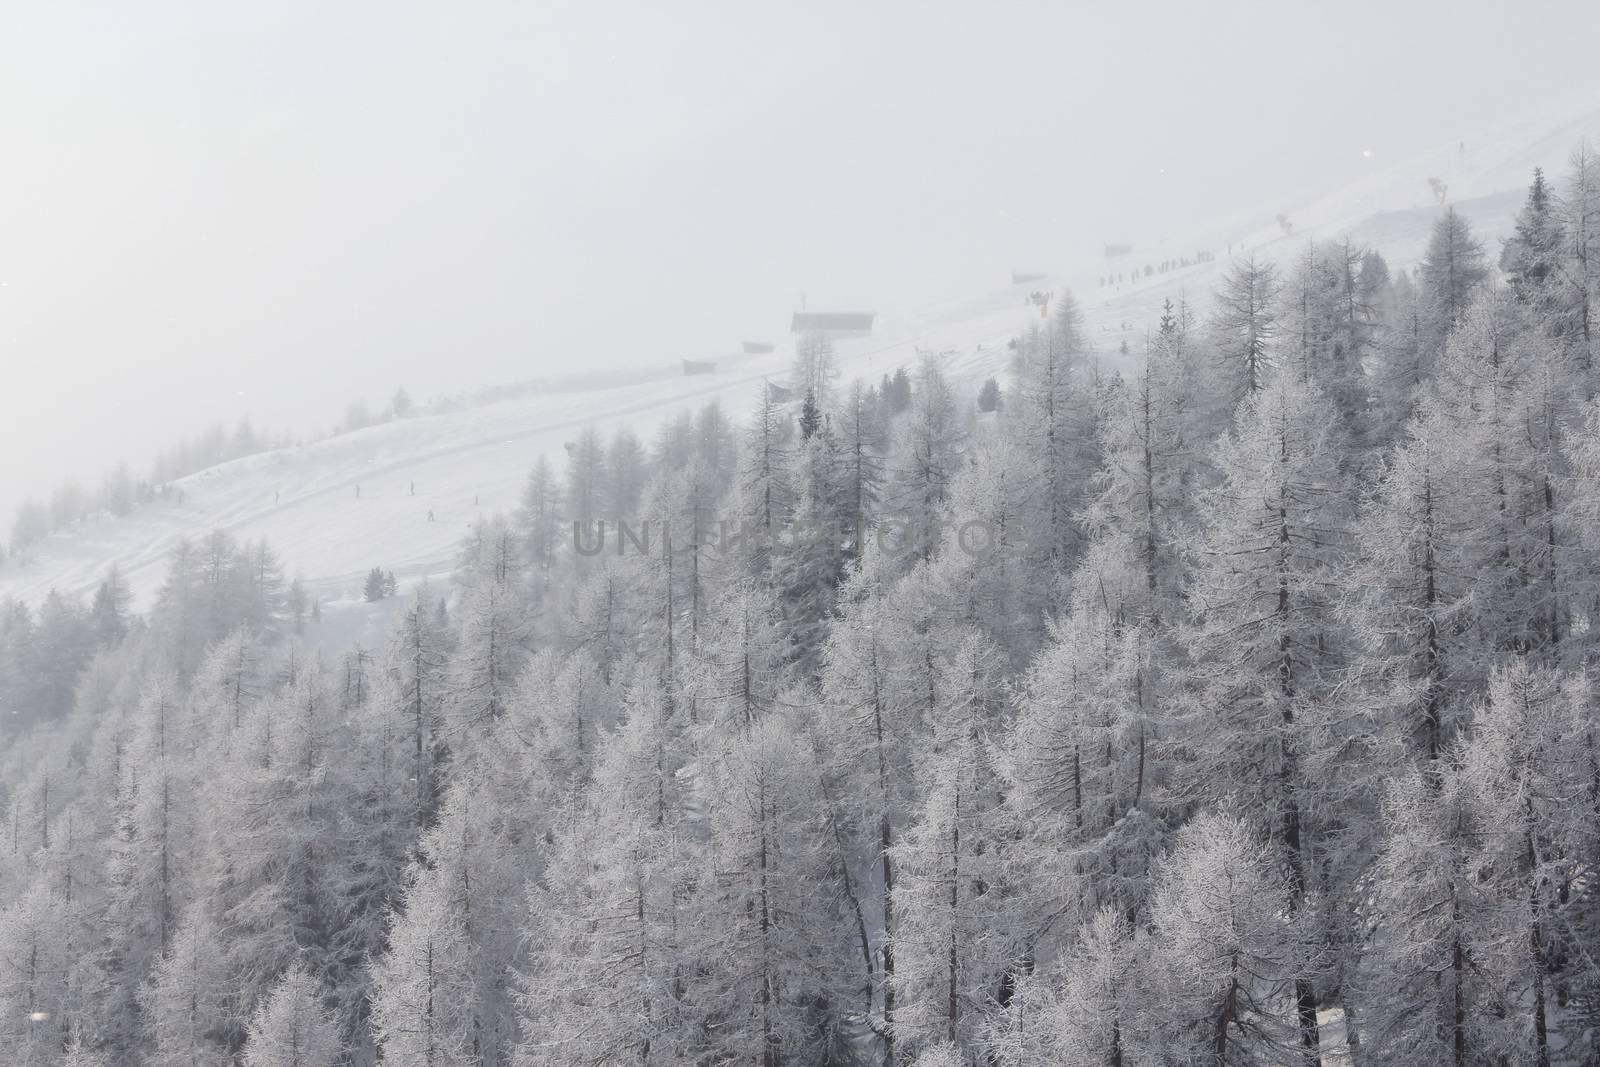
x,y
209,213
470,461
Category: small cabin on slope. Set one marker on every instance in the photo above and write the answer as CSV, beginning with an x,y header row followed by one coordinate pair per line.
x,y
756,348
698,366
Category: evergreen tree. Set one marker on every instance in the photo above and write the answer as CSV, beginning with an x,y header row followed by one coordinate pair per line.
x,y
1530,257
295,605
423,1010
764,492
185,1001
1053,420
416,661
626,468
810,417
1086,1008
1453,268
923,460
1245,323
586,481
1423,996
539,519
1578,308
815,368
951,944
290,1029
609,979
809,563
989,396
110,609
897,391
33,968
1227,947
776,948
716,444
1263,644
860,436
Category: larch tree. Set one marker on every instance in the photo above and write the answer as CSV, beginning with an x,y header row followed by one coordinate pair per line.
x,y
539,519
1053,418
586,480
1578,304
1408,597
1530,767
1244,324
867,739
415,660
1423,996
815,368
764,491
922,462
482,670
627,469
952,944
443,991
185,1003
981,571
1264,644
1086,1008
809,564
611,962
1453,269
423,1007
1080,770
1228,951
34,993
290,1028
738,668
777,948
716,444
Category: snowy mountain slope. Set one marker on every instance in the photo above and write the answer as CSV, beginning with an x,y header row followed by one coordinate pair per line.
x,y
471,463
1392,208
459,466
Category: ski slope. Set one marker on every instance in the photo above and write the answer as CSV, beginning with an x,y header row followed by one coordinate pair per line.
x,y
461,466
469,464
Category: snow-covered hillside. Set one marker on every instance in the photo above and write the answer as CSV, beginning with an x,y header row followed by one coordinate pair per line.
x,y
467,464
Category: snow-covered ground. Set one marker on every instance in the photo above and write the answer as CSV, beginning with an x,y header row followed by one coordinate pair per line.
x,y
468,464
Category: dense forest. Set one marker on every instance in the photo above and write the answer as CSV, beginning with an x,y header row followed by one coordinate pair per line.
x,y
1235,711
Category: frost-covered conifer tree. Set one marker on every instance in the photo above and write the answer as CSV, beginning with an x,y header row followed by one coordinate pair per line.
x,y
612,954
1244,324
953,942
1052,417
1530,258
1453,269
1264,642
1578,304
539,519
1228,951
290,1028
587,480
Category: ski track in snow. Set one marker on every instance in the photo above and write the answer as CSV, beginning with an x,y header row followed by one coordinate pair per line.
x,y
471,463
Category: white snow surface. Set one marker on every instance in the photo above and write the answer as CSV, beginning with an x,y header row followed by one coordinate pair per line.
x,y
469,464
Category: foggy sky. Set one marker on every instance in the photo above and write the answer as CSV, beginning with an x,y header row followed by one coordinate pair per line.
x,y
271,208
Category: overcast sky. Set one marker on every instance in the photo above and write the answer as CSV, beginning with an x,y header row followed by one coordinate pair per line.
x,y
213,209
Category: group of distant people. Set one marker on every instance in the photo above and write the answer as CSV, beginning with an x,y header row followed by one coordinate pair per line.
x,y
277,497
